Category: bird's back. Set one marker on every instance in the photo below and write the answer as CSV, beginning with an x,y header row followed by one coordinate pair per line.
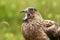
x,y
52,29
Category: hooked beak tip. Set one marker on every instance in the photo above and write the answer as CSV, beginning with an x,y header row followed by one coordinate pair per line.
x,y
22,11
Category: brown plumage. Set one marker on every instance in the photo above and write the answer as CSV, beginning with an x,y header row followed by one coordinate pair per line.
x,y
34,27
53,31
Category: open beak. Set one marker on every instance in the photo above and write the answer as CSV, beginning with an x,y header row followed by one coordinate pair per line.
x,y
25,18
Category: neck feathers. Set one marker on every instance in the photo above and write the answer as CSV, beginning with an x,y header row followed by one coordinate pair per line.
x,y
38,16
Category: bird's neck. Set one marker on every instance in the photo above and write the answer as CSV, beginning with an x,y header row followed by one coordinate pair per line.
x,y
38,16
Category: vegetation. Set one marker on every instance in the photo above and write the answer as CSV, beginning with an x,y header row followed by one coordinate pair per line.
x,y
11,18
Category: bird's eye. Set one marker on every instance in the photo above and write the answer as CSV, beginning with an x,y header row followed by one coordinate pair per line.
x,y
28,15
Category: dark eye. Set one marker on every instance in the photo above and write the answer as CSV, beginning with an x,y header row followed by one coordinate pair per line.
x,y
28,15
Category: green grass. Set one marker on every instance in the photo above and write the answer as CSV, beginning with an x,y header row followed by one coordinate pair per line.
x,y
11,19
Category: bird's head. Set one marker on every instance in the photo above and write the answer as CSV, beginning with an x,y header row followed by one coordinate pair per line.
x,y
30,11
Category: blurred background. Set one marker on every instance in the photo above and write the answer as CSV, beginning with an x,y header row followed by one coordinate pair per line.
x,y
11,19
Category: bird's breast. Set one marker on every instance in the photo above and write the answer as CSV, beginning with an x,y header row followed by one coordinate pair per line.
x,y
31,29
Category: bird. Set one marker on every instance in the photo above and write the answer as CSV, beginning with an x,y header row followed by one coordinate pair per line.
x,y
34,27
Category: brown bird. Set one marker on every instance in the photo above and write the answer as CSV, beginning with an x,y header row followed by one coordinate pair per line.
x,y
34,27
